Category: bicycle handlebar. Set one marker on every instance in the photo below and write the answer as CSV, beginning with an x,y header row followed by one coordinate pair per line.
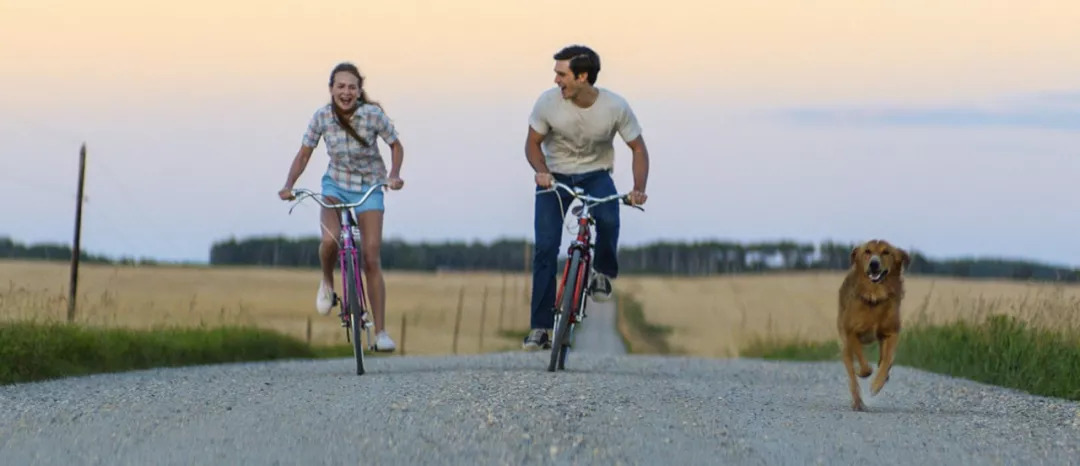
x,y
625,198
300,193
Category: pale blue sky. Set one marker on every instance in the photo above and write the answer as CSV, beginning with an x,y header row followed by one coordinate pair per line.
x,y
814,131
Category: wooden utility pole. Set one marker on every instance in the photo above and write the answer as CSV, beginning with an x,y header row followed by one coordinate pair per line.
x,y
73,286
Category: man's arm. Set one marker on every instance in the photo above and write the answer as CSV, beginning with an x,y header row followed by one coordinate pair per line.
x,y
630,131
641,163
533,152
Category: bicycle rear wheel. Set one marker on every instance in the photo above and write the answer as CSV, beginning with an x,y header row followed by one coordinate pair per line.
x,y
560,342
356,307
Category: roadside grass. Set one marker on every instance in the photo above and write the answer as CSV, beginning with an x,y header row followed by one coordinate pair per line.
x,y
31,351
999,349
640,336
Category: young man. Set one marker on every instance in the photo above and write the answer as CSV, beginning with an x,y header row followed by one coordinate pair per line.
x,y
571,130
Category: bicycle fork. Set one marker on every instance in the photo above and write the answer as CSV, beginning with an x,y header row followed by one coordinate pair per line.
x,y
580,289
345,314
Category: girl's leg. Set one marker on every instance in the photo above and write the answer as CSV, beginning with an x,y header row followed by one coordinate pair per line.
x,y
371,225
328,249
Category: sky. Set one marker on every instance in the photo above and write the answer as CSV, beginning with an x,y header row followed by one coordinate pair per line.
x,y
950,127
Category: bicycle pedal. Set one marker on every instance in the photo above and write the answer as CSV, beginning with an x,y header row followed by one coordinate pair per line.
x,y
367,322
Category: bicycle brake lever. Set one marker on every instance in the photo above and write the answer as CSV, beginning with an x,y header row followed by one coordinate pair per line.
x,y
626,200
297,198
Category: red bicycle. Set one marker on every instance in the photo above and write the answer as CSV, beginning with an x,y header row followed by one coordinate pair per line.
x,y
570,307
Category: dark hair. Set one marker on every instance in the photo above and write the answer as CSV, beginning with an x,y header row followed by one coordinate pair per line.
x,y
582,60
339,113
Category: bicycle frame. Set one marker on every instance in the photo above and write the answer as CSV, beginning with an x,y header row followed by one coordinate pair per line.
x,y
583,246
349,262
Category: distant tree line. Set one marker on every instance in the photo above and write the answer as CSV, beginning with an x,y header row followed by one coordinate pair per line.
x,y
658,258
10,249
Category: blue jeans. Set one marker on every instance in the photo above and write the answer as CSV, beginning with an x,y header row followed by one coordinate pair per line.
x,y
548,227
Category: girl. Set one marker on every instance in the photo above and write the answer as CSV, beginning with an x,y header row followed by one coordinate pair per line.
x,y
349,125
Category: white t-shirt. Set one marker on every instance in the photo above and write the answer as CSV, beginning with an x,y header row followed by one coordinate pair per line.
x,y
579,140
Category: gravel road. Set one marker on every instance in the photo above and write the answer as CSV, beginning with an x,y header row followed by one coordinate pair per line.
x,y
606,408
597,333
506,409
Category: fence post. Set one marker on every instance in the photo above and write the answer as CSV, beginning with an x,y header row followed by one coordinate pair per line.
x,y
457,321
502,302
403,334
483,317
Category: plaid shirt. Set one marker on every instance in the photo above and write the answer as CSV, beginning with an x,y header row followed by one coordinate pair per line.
x,y
352,165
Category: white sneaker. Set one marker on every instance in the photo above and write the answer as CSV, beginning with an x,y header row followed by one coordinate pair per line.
x,y
600,288
384,343
324,299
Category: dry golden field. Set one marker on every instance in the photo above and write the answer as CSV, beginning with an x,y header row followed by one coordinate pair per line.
x,y
716,317
709,316
283,300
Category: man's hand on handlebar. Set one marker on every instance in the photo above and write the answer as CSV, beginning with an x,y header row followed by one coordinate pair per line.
x,y
544,180
637,197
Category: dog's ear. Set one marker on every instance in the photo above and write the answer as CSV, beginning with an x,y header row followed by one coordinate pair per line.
x,y
854,254
905,259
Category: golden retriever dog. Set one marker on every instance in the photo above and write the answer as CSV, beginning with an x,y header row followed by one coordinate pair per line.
x,y
870,310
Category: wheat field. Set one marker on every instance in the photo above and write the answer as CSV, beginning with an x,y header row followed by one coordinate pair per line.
x,y
709,316
717,316
278,299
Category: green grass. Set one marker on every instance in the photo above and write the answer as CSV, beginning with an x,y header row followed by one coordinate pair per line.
x,y
645,337
39,351
514,334
1002,351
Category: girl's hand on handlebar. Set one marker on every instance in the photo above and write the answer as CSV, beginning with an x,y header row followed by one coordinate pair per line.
x,y
286,194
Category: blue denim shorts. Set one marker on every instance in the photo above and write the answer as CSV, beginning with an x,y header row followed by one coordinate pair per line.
x,y
346,196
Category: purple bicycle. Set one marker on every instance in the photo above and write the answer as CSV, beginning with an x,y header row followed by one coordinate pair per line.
x,y
354,314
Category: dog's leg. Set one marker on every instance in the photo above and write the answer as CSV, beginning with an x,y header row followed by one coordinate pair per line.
x,y
881,355
850,343
864,365
888,353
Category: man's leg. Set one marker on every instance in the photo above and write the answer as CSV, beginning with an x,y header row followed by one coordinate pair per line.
x,y
548,218
605,260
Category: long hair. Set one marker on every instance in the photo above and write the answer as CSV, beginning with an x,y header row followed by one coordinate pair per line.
x,y
339,113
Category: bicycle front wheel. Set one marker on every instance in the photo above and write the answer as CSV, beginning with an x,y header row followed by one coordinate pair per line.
x,y
356,307
560,341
